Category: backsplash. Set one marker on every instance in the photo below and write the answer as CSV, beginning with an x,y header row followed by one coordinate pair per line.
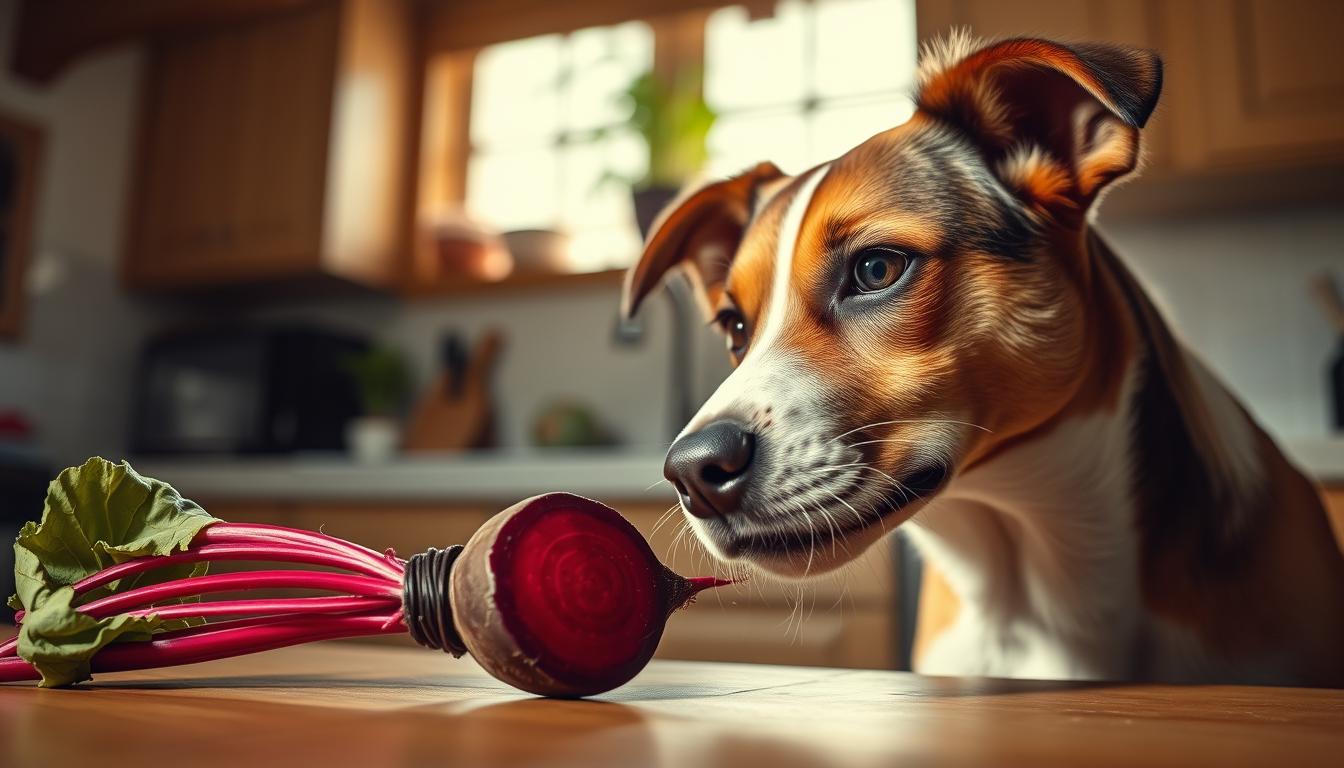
x,y
1235,287
558,344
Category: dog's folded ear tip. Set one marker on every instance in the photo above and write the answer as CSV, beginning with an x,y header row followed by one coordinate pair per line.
x,y
630,302
632,294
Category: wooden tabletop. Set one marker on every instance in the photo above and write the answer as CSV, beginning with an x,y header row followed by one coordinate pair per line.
x,y
340,704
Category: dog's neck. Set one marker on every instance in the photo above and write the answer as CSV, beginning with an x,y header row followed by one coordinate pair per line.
x,y
1041,541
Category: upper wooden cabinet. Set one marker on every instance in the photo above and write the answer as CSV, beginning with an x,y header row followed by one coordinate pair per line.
x,y
277,149
1252,88
1255,82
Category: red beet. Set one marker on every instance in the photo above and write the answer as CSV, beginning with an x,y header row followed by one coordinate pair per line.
x,y
561,596
558,595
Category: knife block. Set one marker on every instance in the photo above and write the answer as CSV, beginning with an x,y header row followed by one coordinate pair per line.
x,y
456,413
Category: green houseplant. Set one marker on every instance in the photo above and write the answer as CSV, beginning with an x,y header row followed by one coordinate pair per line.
x,y
674,120
382,381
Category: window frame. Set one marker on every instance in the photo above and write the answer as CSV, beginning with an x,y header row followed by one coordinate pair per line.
x,y
445,144
678,43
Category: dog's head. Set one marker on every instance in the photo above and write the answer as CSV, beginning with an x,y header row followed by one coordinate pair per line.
x,y
902,312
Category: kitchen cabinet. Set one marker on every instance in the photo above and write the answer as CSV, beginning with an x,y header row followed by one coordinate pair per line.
x,y
1255,83
276,149
845,620
1252,106
1334,504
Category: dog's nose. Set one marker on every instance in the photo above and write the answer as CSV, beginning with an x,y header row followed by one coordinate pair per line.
x,y
710,467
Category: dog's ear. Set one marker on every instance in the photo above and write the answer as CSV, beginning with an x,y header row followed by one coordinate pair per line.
x,y
699,232
1057,122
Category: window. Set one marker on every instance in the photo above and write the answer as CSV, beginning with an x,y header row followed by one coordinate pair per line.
x,y
547,135
808,83
547,139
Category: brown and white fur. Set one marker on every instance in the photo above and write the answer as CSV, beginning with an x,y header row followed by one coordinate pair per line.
x,y
1093,502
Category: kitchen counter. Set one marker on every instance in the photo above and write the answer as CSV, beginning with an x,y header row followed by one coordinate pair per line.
x,y
632,475
346,704
483,476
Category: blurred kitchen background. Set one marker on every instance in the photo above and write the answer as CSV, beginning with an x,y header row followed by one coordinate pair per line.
x,y
355,264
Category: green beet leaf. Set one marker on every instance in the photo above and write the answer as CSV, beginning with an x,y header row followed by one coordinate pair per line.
x,y
96,515
59,641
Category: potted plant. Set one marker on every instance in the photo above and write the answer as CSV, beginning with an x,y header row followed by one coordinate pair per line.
x,y
674,121
382,383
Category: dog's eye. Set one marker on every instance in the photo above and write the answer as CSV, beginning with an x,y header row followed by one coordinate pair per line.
x,y
878,268
734,329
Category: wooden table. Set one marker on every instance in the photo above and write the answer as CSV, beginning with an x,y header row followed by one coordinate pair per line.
x,y
340,704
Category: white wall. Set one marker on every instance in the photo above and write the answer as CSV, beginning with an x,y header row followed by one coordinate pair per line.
x,y
1235,288
558,345
71,369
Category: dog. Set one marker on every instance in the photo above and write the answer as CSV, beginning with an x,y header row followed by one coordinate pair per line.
x,y
928,334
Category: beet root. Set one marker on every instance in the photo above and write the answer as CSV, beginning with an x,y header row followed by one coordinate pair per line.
x,y
561,596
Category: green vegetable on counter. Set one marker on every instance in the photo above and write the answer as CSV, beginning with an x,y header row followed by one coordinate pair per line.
x,y
96,515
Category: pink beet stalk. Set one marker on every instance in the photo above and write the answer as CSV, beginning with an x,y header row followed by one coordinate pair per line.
x,y
282,553
561,571
226,533
230,582
265,608
207,644
261,607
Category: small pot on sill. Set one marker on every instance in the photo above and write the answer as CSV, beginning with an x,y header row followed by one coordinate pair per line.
x,y
372,439
649,202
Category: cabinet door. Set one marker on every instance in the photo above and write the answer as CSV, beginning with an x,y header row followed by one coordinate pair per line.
x,y
862,638
287,71
1260,81
190,150
233,153
1334,505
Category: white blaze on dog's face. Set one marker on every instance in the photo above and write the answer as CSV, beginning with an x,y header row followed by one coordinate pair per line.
x,y
903,312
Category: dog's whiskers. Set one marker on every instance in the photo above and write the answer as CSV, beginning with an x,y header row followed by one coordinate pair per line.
x,y
663,518
898,440
912,421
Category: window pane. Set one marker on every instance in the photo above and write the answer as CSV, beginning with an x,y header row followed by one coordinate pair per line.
x,y
602,63
595,248
739,141
514,190
756,63
837,129
596,207
515,92
864,46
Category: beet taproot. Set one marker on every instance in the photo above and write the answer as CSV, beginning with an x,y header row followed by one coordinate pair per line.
x,y
561,596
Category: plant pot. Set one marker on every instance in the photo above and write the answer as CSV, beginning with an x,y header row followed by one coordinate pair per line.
x,y
649,202
372,439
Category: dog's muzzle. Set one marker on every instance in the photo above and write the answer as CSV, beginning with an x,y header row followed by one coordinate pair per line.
x,y
711,468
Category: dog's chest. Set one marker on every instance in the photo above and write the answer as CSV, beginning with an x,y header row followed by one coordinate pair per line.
x,y
1041,549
